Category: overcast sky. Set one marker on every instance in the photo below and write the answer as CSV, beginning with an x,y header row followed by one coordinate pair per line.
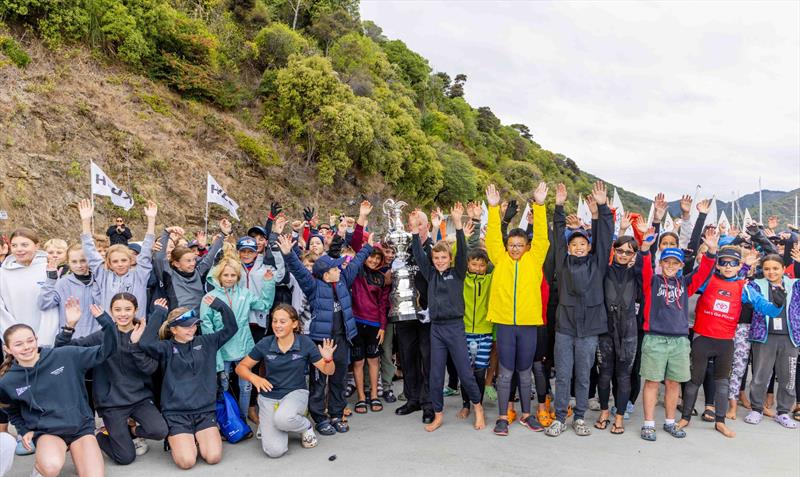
x,y
650,96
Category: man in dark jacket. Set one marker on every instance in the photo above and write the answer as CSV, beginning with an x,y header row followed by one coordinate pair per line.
x,y
581,314
119,233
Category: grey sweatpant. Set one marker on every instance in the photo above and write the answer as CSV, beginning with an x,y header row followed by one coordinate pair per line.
x,y
277,418
387,366
778,353
578,353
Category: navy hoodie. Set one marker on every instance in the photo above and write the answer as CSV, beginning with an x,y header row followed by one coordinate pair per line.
x,y
445,289
50,397
124,378
190,369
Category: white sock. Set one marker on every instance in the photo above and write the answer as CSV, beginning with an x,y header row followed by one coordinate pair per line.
x,y
669,422
650,424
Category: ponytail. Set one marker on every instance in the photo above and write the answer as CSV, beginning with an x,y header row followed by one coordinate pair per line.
x,y
9,360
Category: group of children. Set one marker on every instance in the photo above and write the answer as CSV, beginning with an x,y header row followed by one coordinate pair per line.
x,y
146,336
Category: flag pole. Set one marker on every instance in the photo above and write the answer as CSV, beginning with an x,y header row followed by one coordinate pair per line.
x,y
206,228
91,193
795,211
760,206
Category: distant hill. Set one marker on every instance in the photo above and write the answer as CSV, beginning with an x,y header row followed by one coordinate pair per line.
x,y
750,202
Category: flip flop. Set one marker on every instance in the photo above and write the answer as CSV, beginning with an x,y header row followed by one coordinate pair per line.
x,y
601,424
617,430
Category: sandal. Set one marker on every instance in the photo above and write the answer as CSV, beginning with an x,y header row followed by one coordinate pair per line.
x,y
796,415
785,421
648,433
360,407
376,405
617,429
601,424
709,415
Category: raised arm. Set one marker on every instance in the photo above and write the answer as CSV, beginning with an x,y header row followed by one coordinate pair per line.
x,y
263,302
91,357
494,238
425,267
350,273
540,242
304,278
457,214
149,342
229,325
559,226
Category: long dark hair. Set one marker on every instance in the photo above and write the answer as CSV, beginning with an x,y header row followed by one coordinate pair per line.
x,y
9,360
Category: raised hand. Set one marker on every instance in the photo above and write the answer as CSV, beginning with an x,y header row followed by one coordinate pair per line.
x,y
457,213
711,239
225,226
413,221
649,239
86,209
592,206
52,264
561,193
751,257
436,218
599,193
660,207
138,331
474,210
308,214
468,228
201,238
704,206
624,223
641,225
208,299
371,239
492,195
540,194
326,349
285,243
796,252
686,204
274,209
573,222
150,210
161,302
365,208
268,274
510,211
96,310
72,311
280,224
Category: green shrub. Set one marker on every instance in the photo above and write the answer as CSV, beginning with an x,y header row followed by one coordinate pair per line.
x,y
156,103
256,150
14,52
275,43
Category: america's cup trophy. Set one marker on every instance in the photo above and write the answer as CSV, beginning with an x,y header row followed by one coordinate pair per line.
x,y
404,294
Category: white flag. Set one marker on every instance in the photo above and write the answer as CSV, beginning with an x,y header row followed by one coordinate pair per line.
x,y
747,219
523,221
650,214
103,185
724,224
583,212
711,218
484,218
216,195
619,212
669,224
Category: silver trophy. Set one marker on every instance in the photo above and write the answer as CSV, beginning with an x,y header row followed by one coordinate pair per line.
x,y
404,295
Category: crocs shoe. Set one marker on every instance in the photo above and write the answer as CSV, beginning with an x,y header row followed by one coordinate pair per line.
x,y
501,427
580,428
544,418
140,446
786,421
594,404
648,433
555,429
340,425
753,417
309,439
674,431
325,428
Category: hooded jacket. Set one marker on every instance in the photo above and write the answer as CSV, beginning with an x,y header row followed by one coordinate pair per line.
x,y
190,377
321,295
445,289
622,289
183,290
109,283
20,287
123,379
242,301
759,327
581,308
50,397
515,297
253,279
55,294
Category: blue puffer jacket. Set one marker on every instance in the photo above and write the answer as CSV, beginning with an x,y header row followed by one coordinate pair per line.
x,y
320,295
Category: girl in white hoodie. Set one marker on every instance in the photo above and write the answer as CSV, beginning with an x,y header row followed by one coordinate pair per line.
x,y
22,277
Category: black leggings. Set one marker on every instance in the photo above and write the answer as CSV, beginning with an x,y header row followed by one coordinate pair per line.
x,y
616,363
118,443
704,348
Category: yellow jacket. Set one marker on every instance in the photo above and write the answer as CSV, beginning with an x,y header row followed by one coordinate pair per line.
x,y
516,296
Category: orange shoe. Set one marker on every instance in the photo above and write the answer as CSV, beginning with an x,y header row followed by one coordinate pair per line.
x,y
512,414
569,411
549,408
544,418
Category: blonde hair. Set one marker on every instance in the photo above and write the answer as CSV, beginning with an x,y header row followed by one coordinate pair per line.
x,y
56,243
74,247
235,264
164,332
229,251
101,240
118,248
442,246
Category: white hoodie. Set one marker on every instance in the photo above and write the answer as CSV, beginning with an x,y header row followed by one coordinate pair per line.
x,y
20,287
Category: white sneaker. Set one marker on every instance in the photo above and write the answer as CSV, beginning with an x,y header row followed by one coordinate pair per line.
x,y
140,446
258,434
309,439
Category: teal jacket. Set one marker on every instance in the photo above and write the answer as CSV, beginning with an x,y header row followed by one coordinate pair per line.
x,y
242,301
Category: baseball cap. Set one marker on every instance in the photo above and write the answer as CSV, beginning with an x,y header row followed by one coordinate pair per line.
x,y
247,243
671,252
190,318
257,231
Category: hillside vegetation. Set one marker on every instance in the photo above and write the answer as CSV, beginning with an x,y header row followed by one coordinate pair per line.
x,y
297,100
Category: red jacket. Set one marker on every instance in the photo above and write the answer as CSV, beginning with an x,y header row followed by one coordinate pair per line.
x,y
718,309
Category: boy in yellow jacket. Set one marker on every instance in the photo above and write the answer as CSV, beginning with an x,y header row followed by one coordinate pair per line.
x,y
515,304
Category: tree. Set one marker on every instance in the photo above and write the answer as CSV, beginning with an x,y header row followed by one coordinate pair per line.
x,y
373,31
360,62
330,26
414,69
457,89
458,178
487,121
276,42
295,5
524,131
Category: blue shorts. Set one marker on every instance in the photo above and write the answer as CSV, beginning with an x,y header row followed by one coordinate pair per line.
x,y
479,352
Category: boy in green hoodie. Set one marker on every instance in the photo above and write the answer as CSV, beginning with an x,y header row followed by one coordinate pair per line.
x,y
478,329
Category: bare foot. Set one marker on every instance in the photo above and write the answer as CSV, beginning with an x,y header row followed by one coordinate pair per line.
x,y
683,423
463,413
744,400
724,430
480,421
769,412
436,424
731,414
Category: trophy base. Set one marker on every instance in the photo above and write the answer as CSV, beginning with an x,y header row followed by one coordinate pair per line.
x,y
403,317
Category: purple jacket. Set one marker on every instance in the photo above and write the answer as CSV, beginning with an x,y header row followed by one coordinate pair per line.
x,y
759,327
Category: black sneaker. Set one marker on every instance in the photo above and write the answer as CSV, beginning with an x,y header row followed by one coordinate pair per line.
x,y
501,427
531,423
388,396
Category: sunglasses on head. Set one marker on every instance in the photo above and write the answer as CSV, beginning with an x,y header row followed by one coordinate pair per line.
x,y
189,315
729,263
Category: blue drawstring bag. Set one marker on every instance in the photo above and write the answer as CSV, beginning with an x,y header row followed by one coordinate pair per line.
x,y
231,425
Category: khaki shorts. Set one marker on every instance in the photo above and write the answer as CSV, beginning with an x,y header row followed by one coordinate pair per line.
x,y
665,357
